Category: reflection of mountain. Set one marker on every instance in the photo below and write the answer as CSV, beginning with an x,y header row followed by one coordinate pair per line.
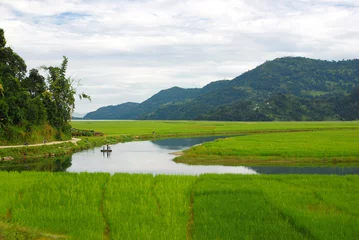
x,y
182,143
56,164
306,170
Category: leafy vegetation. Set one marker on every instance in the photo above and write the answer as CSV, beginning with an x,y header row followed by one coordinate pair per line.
x,y
126,206
32,102
285,89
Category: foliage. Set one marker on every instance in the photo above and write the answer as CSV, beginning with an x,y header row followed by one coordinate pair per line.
x,y
31,101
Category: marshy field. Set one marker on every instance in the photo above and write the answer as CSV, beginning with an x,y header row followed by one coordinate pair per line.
x,y
63,205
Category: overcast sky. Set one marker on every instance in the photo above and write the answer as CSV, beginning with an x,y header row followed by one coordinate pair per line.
x,y
129,50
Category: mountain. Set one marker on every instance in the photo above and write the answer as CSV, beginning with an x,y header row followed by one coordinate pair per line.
x,y
121,111
78,115
304,83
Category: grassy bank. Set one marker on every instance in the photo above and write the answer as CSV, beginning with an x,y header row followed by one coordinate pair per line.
x,y
125,206
313,147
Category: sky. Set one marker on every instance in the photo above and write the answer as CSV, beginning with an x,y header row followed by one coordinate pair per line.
x,y
127,50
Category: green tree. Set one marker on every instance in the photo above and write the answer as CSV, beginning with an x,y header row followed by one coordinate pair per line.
x,y
34,83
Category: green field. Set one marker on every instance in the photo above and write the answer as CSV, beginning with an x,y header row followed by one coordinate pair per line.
x,y
313,147
125,206
189,128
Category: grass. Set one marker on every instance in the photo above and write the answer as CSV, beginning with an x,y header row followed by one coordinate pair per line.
x,y
147,207
278,148
126,206
65,204
190,128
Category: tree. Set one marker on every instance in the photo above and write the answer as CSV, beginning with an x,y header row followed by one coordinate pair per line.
x,y
60,97
34,83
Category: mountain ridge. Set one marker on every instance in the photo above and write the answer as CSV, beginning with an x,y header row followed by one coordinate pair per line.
x,y
298,78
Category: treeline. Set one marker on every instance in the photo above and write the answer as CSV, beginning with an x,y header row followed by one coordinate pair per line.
x,y
31,101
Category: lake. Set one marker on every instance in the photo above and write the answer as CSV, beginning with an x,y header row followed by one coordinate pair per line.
x,y
155,157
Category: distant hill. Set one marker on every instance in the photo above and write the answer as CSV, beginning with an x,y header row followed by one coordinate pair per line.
x,y
121,111
290,84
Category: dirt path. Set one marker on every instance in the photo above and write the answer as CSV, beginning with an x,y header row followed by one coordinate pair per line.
x,y
73,140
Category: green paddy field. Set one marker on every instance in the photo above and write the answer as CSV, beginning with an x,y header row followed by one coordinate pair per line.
x,y
123,206
46,205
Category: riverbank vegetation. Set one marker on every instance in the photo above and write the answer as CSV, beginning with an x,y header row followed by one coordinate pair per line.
x,y
126,206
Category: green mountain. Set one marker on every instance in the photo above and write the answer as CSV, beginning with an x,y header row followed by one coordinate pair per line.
x,y
121,111
289,88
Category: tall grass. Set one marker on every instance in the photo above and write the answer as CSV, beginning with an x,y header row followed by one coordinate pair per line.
x,y
320,208
12,187
232,207
64,203
147,207
125,206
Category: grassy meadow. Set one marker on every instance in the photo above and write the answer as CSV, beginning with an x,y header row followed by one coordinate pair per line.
x,y
313,147
190,128
125,206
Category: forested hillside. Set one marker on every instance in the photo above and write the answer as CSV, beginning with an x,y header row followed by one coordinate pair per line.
x,y
33,107
289,88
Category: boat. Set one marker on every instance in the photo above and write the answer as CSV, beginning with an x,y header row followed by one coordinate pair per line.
x,y
106,149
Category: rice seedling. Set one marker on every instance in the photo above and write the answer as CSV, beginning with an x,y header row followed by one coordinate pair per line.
x,y
134,206
147,207
232,207
318,207
64,203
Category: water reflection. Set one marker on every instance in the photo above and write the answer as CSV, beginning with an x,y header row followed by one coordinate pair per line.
x,y
53,164
147,157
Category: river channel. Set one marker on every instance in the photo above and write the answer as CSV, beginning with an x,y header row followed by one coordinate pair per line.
x,y
156,157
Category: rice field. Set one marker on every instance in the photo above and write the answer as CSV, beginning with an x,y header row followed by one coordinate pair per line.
x,y
188,128
129,206
325,146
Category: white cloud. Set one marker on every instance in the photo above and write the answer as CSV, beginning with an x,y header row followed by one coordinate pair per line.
x,y
129,50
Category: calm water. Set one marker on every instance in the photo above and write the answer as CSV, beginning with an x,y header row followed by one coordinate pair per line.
x,y
155,157
147,157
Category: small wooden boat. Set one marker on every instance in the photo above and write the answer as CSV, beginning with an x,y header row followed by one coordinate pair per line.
x,y
107,149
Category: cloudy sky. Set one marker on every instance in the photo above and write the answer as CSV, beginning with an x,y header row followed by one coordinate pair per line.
x,y
127,50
